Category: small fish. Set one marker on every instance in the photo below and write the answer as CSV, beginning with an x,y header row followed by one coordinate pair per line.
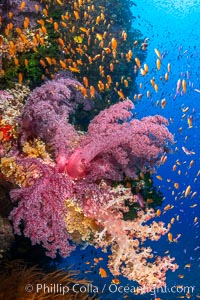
x,y
187,191
55,26
146,68
143,72
155,87
115,281
22,5
157,53
172,220
178,85
187,152
36,7
60,2
113,44
184,86
138,62
189,120
167,207
92,91
85,82
121,94
102,273
63,64
176,185
45,12
76,15
170,237
20,77
163,103
158,64
158,212
61,42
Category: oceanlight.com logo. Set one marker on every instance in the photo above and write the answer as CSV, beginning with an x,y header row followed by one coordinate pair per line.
x,y
107,288
176,289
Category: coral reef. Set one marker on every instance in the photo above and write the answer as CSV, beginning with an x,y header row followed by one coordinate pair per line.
x,y
66,180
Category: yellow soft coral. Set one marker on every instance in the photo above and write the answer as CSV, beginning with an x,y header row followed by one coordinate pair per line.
x,y
13,172
78,225
36,148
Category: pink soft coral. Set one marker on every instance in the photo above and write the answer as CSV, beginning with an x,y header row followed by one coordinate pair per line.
x,y
115,145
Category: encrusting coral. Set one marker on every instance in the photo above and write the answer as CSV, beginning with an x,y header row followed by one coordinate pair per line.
x,y
68,197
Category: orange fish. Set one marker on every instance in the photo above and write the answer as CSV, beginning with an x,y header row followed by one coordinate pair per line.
x,y
121,94
61,42
98,19
16,61
85,82
26,22
184,85
76,15
48,59
45,12
156,87
63,64
158,63
26,62
102,273
41,22
44,30
143,72
20,77
22,5
109,79
10,14
163,103
157,53
146,68
138,62
167,207
111,67
55,26
115,281
176,185
114,44
84,91
170,239
92,91
158,212
187,191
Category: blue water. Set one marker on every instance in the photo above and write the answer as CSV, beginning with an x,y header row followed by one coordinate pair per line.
x,y
173,27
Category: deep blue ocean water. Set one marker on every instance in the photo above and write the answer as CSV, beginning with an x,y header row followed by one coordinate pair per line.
x,y
173,28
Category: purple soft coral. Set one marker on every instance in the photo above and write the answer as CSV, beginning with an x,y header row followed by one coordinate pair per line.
x,y
46,113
